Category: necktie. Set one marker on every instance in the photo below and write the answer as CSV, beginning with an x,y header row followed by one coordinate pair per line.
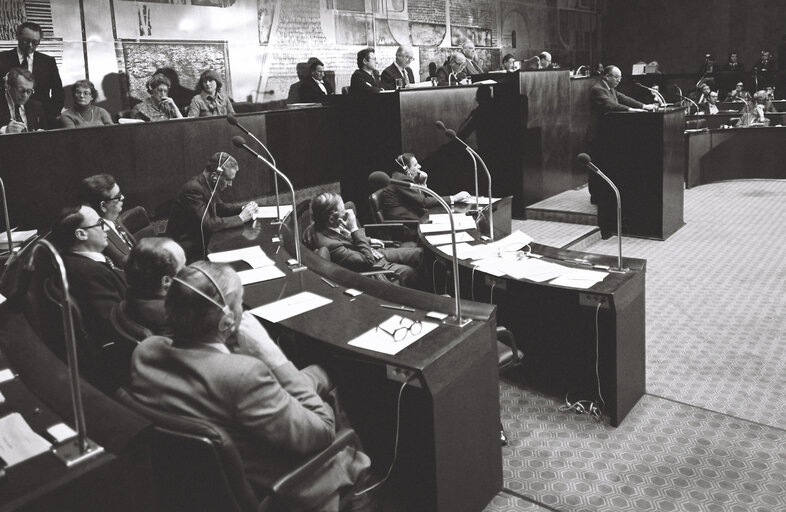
x,y
406,77
24,64
124,236
109,263
18,113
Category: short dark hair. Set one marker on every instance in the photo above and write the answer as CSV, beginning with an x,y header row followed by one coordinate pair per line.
x,y
14,74
221,157
35,27
147,263
93,190
314,63
66,223
404,159
190,313
322,207
208,74
608,69
507,57
85,84
157,80
363,55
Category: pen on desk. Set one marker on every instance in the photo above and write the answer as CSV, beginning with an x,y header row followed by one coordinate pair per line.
x,y
327,282
398,308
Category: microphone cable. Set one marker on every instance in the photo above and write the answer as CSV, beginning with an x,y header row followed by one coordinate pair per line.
x,y
395,444
202,220
589,407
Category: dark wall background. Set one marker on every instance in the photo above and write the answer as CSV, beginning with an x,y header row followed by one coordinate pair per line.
x,y
677,33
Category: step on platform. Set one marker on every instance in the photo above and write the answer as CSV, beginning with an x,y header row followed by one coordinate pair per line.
x,y
566,220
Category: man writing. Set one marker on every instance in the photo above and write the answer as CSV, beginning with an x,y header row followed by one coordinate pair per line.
x,y
48,86
19,112
399,70
198,211
251,391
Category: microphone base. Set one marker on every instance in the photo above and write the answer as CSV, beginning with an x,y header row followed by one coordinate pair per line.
x,y
70,454
276,222
297,268
454,321
623,270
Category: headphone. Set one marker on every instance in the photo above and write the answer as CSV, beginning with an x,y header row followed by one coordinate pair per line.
x,y
216,174
400,162
229,317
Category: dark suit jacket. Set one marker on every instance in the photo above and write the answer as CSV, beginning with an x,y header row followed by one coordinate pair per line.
x,y
390,74
117,249
472,68
36,118
184,225
604,100
444,72
404,203
740,67
354,253
273,415
310,91
149,313
363,83
48,86
97,289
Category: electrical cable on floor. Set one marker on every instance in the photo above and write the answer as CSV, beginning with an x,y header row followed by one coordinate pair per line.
x,y
472,283
491,294
588,406
395,445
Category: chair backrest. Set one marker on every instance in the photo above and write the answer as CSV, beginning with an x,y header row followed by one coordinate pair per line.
x,y
195,464
137,222
128,330
377,181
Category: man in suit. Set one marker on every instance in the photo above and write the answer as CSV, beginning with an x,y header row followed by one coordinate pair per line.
x,y
471,67
764,70
399,69
198,211
708,66
152,265
336,228
365,79
604,98
248,388
453,70
701,95
315,88
102,193
734,65
48,86
95,283
19,112
711,106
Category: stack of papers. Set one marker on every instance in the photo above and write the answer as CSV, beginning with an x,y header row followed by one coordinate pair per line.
x,y
262,267
580,278
17,238
290,306
269,212
18,442
461,221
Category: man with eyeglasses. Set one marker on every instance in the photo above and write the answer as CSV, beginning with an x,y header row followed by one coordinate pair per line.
x,y
48,85
453,70
399,70
19,112
96,284
102,193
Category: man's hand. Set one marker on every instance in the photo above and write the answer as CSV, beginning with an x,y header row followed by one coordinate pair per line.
x,y
631,109
248,211
253,340
650,107
461,197
170,105
15,127
349,221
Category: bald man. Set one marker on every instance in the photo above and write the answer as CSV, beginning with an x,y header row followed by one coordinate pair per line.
x,y
399,70
453,70
472,67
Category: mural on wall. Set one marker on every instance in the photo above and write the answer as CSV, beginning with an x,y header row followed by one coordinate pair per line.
x,y
198,3
265,11
479,36
142,59
12,13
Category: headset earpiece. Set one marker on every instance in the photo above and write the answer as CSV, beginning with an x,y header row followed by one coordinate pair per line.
x,y
228,316
215,175
400,162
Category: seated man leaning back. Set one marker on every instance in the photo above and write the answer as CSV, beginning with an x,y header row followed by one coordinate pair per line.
x,y
336,228
251,391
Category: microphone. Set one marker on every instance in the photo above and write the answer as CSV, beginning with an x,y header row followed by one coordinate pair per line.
x,y
694,103
585,160
440,125
7,224
220,171
660,97
239,142
451,134
457,320
231,119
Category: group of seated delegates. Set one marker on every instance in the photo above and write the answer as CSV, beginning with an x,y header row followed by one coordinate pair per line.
x,y
335,227
402,203
315,88
221,365
198,210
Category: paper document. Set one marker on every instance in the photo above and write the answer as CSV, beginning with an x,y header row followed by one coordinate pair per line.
x,y
447,238
580,278
269,212
17,237
463,250
532,269
483,200
441,228
254,256
256,275
381,338
18,442
290,306
460,220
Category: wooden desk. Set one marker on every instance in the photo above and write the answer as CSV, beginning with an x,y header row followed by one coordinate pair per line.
x,y
714,121
449,419
736,153
555,328
119,479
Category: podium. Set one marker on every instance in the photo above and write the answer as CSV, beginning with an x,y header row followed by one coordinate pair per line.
x,y
644,155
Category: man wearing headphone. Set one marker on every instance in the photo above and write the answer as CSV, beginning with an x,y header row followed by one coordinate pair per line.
x,y
197,212
250,390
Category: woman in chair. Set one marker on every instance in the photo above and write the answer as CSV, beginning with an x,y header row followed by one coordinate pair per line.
x,y
400,203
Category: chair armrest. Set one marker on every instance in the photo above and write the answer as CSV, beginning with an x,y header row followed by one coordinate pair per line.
x,y
303,473
397,231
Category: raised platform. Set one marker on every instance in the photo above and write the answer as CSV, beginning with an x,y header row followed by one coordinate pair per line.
x,y
566,220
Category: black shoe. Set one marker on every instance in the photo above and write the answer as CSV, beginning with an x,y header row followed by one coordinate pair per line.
x,y
503,438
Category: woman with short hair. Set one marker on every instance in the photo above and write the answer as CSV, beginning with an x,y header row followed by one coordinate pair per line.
x,y
84,113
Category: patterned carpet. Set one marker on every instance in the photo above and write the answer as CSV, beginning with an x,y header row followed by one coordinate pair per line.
x,y
709,436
